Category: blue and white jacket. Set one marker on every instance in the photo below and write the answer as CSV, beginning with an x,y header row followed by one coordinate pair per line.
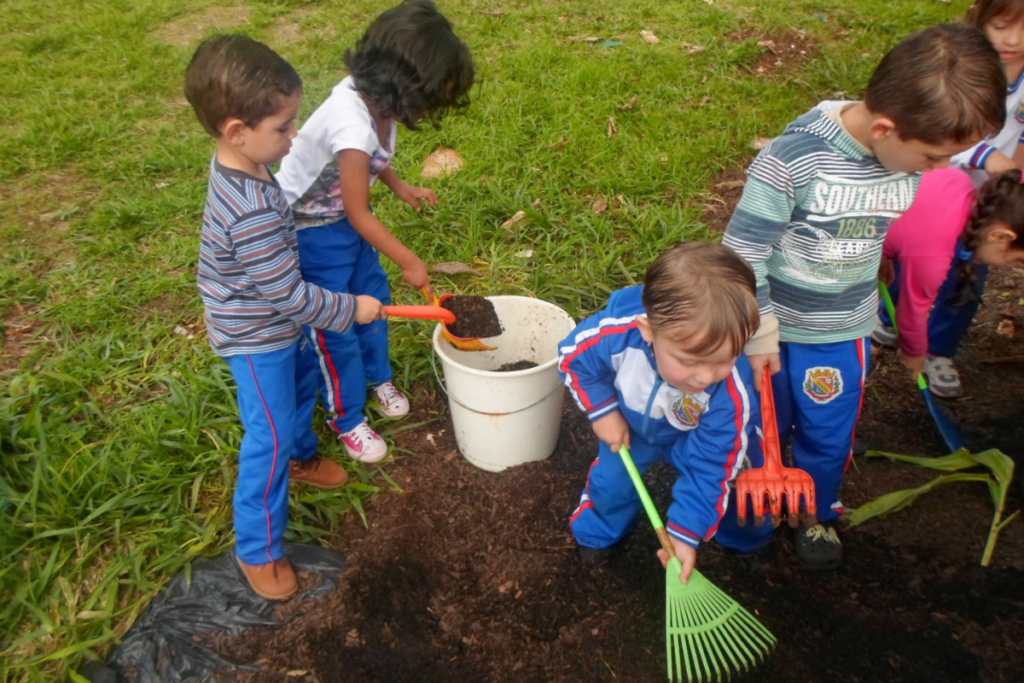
x,y
608,366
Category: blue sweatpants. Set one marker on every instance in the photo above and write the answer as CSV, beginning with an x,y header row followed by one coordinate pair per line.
x,y
276,405
610,504
818,398
947,325
336,257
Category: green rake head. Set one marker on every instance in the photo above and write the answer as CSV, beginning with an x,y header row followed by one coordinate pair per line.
x,y
707,633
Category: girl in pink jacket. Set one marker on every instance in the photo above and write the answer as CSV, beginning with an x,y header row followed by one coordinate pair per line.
x,y
936,259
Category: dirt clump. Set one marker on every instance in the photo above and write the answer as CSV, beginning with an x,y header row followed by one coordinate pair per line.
x,y
474,317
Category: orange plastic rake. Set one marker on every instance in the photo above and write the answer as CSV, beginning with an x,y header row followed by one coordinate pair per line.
x,y
767,486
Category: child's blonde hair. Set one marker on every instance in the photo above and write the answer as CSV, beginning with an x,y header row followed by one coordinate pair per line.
x,y
702,296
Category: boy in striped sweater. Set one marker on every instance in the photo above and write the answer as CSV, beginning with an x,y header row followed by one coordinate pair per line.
x,y
814,213
247,97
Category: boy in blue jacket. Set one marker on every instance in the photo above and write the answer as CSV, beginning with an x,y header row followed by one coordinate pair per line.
x,y
661,371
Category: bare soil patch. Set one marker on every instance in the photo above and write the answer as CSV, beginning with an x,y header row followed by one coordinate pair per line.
x,y
190,28
776,54
720,200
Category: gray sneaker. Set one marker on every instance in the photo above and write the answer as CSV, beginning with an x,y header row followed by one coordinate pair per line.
x,y
818,547
885,335
943,378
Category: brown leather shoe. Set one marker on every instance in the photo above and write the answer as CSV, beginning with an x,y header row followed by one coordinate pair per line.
x,y
319,472
273,581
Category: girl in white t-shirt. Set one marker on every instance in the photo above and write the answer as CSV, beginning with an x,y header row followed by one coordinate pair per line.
x,y
408,67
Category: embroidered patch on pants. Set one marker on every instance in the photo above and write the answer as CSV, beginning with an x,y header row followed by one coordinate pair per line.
x,y
823,384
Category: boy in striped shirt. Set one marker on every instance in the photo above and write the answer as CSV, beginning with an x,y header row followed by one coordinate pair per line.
x,y
247,97
814,213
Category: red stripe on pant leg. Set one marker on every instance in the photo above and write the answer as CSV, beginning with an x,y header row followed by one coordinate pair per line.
x,y
338,408
860,405
586,505
273,466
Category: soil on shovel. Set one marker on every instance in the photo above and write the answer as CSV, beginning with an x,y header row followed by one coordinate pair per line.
x,y
468,576
517,365
475,317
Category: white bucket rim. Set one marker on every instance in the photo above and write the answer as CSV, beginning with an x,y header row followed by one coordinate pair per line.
x,y
439,348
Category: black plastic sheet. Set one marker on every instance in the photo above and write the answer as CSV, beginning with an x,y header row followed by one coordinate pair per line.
x,y
161,646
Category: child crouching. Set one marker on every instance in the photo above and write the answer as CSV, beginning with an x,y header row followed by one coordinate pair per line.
x,y
661,371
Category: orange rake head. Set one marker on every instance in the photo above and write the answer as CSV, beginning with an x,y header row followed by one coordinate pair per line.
x,y
461,343
768,486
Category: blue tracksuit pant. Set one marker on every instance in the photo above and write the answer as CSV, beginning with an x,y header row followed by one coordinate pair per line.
x,y
947,325
276,405
336,257
610,503
818,397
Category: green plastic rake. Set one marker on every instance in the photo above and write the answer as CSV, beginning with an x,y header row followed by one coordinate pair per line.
x,y
706,632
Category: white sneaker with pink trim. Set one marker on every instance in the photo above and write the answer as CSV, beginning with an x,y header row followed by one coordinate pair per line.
x,y
364,444
393,402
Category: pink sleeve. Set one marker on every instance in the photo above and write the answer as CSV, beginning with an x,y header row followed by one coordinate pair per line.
x,y
923,242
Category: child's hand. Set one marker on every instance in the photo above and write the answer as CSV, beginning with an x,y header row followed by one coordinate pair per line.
x,y
887,271
413,196
687,555
757,363
997,163
913,363
415,274
613,430
369,309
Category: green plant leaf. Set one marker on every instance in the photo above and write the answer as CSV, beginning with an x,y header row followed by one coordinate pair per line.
x,y
897,500
1002,468
958,460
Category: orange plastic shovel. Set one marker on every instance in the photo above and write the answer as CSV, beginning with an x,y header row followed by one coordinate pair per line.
x,y
421,313
767,486
446,317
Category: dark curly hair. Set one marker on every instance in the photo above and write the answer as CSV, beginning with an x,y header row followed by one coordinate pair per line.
x,y
411,66
1000,200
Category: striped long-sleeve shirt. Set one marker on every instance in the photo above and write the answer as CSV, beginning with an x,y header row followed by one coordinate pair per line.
x,y
811,222
249,279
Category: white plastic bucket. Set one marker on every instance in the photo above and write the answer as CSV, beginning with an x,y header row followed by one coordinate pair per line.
x,y
503,419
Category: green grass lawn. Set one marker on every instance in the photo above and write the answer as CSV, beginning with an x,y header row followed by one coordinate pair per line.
x,y
118,428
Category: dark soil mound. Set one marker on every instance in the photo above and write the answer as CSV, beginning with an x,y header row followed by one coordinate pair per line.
x,y
474,317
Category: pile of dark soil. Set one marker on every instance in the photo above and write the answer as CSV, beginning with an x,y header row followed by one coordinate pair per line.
x,y
471,576
517,365
474,317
